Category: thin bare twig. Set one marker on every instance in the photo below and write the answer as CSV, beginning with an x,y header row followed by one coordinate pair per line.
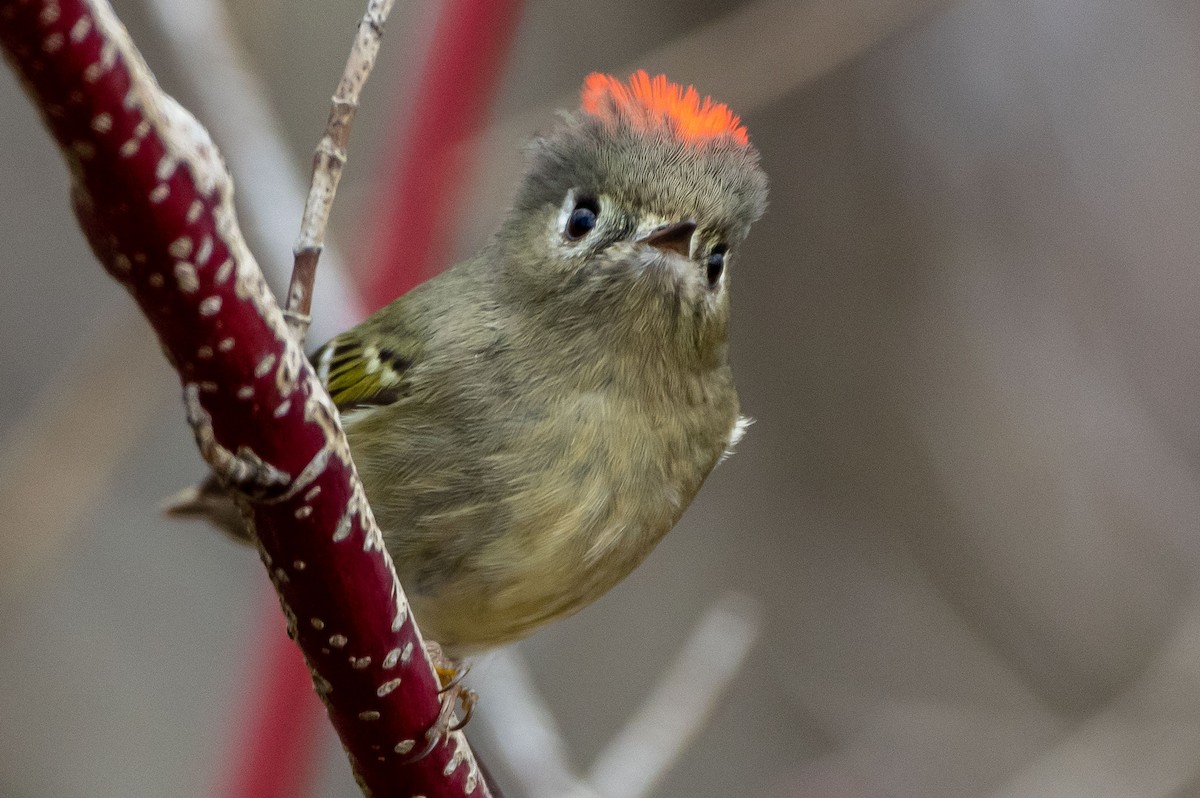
x,y
328,162
236,107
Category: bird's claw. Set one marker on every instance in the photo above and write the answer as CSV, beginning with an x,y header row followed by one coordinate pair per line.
x,y
452,693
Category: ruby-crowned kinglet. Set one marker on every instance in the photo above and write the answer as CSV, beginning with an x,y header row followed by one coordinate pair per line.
x,y
531,422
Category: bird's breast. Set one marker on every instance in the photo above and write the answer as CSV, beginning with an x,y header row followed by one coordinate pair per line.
x,y
593,481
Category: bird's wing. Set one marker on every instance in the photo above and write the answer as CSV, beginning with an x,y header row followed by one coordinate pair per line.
x,y
359,369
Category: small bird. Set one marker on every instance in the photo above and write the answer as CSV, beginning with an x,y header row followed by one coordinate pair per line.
x,y
531,422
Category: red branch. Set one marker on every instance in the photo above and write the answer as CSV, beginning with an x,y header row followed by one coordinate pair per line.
x,y
153,198
456,87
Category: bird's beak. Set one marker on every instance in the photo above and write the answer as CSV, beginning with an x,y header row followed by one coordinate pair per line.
x,y
675,237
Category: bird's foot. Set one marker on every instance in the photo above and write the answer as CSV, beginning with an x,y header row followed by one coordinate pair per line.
x,y
449,671
450,675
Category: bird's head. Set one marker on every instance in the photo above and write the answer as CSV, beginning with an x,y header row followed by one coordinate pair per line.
x,y
633,211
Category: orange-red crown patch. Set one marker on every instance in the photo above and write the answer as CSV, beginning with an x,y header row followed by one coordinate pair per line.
x,y
651,103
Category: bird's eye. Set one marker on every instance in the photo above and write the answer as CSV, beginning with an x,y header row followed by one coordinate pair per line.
x,y
582,219
715,265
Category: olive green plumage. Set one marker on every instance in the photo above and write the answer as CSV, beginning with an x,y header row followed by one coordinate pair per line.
x,y
531,422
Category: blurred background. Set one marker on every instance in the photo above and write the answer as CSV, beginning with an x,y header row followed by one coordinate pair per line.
x,y
959,546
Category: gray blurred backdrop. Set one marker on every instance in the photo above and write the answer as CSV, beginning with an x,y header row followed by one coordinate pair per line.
x,y
967,329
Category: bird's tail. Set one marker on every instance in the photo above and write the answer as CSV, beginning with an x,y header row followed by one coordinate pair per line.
x,y
211,502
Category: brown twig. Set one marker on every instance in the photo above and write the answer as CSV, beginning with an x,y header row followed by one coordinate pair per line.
x,y
328,162
235,105
153,198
